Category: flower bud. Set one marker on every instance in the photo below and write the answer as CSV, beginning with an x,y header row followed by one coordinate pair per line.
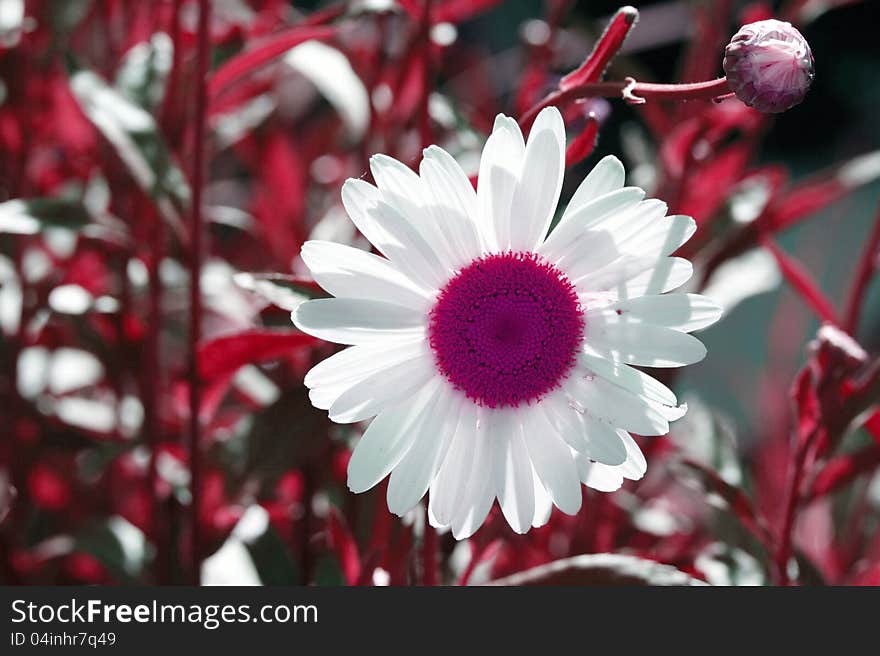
x,y
769,65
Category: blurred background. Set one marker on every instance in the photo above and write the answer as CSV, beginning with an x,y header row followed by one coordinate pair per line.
x,y
769,479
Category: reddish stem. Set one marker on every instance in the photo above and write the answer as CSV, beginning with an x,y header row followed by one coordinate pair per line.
x,y
151,386
631,91
861,398
793,502
427,72
604,51
169,104
864,273
195,297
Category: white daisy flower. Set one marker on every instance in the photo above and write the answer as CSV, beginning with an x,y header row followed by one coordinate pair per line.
x,y
493,357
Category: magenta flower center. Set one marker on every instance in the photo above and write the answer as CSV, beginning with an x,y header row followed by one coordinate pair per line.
x,y
506,329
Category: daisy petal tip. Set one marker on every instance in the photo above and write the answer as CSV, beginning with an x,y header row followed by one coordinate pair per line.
x,y
294,318
700,352
508,124
676,413
550,118
571,507
611,160
356,486
433,152
460,533
396,510
716,310
612,167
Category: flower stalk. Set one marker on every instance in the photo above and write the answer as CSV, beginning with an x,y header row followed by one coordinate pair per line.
x,y
195,299
630,90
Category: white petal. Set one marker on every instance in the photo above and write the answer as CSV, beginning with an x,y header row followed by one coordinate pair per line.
x,y
617,407
611,277
543,502
378,391
408,248
642,231
646,345
450,486
386,441
665,275
512,470
605,241
455,221
630,379
358,197
565,420
456,199
356,362
605,445
630,276
540,182
405,191
332,376
400,185
590,214
581,432
608,175
500,167
411,477
390,232
477,500
357,321
598,476
636,465
685,312
349,272
553,462
662,236
457,187
324,396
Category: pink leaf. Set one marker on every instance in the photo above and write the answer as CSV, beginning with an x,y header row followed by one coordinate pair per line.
x,y
800,279
224,355
250,60
583,144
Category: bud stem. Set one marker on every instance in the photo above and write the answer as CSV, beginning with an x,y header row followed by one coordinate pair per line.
x,y
631,91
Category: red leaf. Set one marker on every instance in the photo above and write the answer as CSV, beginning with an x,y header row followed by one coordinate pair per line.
x,y
451,11
799,278
247,62
806,402
583,144
842,470
604,51
733,497
224,355
343,544
279,203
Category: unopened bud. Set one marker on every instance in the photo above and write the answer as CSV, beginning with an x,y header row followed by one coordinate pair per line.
x,y
769,65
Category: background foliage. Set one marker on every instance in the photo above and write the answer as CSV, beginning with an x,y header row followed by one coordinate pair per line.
x,y
770,478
